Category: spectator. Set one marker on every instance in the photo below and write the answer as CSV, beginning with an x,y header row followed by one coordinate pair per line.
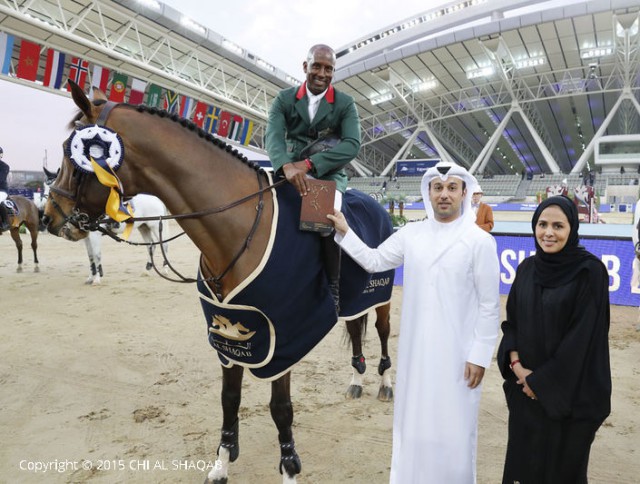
x,y
554,355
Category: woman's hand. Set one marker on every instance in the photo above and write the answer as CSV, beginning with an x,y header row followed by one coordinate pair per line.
x,y
522,373
339,222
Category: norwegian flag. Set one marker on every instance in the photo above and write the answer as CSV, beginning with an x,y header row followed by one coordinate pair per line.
x,y
78,71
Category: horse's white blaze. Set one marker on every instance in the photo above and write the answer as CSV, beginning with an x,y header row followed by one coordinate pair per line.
x,y
221,469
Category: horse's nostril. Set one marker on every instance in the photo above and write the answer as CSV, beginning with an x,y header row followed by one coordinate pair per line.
x,y
46,220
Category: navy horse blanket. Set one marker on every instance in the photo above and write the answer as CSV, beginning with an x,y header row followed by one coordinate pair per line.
x,y
284,309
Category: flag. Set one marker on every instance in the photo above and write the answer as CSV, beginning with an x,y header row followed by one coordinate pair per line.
x,y
118,87
54,69
100,78
186,106
171,101
28,61
224,124
247,130
78,71
136,96
200,113
6,51
235,128
211,119
154,96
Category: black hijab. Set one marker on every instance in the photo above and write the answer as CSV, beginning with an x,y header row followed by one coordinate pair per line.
x,y
553,270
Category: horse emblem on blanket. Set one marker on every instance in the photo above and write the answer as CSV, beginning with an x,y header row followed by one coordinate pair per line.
x,y
229,330
256,327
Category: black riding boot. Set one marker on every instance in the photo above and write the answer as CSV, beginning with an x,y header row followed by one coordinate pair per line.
x,y
331,255
4,218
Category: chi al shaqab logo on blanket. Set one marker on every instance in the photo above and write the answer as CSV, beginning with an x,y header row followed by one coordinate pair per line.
x,y
225,328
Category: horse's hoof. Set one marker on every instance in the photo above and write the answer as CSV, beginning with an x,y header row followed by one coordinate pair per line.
x,y
385,394
353,392
222,480
36,269
19,269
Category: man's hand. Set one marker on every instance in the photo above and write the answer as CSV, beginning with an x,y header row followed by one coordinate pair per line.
x,y
296,174
473,374
339,222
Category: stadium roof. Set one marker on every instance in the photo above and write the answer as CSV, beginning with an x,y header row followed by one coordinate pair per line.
x,y
498,86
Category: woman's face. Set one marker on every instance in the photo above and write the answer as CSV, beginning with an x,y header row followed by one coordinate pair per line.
x,y
552,229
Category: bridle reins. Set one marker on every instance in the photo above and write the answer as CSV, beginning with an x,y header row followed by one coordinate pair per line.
x,y
83,221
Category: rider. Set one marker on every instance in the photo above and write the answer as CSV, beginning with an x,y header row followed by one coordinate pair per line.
x,y
4,193
301,115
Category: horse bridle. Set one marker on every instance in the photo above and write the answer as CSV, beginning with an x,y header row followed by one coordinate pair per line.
x,y
83,221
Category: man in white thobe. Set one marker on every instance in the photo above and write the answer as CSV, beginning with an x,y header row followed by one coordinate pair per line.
x,y
448,328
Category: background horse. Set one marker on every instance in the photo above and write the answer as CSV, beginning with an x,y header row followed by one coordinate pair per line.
x,y
144,206
246,231
24,213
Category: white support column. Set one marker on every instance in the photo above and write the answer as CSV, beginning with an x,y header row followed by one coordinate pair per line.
x,y
362,171
444,154
626,94
551,163
485,154
397,156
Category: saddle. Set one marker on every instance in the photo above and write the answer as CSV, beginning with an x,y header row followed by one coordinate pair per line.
x,y
10,206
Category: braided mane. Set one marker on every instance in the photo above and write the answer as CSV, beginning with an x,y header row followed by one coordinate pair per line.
x,y
185,123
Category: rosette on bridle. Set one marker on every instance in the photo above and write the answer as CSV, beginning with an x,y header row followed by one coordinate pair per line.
x,y
99,150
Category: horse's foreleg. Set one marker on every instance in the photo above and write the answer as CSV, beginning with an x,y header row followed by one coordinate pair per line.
x,y
93,244
15,235
149,265
34,246
356,329
383,325
229,448
282,415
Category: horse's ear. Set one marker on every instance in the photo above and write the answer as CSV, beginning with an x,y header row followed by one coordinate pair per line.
x,y
50,176
80,98
99,94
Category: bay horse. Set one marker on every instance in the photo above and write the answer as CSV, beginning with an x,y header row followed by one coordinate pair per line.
x,y
24,213
242,224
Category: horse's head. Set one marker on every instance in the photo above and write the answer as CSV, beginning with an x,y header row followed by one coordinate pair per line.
x,y
76,197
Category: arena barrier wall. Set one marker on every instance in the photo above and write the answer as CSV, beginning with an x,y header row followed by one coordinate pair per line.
x,y
616,253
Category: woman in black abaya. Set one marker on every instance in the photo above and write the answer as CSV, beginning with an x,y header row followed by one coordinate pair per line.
x,y
554,354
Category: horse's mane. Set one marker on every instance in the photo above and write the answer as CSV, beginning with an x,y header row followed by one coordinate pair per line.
x,y
185,123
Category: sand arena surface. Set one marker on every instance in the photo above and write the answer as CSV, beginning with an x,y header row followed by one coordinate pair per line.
x,y
121,375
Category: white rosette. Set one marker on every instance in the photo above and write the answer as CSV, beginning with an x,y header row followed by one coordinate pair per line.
x,y
97,142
